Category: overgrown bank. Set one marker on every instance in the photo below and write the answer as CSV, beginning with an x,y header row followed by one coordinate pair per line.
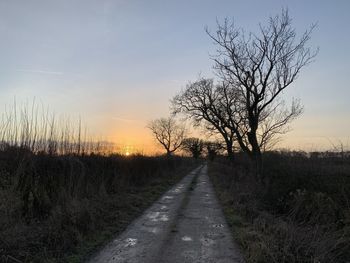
x,y
304,215
61,208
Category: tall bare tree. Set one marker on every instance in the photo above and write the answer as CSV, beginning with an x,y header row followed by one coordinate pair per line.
x,y
168,133
260,67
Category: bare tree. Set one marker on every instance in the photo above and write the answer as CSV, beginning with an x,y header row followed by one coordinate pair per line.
x,y
260,67
168,133
194,146
213,148
206,104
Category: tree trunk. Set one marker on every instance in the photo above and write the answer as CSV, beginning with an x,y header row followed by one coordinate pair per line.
x,y
230,153
256,155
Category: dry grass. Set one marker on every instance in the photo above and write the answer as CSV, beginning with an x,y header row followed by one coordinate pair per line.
x,y
303,216
63,194
33,127
60,208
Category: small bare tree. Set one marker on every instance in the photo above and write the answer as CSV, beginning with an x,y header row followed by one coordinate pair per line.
x,y
193,146
213,148
260,67
168,133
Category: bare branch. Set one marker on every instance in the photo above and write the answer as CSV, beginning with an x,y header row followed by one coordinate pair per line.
x,y
168,133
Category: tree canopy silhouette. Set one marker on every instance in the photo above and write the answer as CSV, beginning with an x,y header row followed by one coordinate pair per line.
x,y
210,105
193,146
168,133
246,107
260,67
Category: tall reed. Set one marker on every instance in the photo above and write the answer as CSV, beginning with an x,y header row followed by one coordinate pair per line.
x,y
33,127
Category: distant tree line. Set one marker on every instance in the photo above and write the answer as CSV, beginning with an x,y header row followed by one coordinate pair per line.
x,y
172,136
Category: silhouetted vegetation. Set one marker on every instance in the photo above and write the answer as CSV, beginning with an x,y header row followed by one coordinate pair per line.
x,y
207,104
36,129
56,206
193,146
246,106
62,195
213,149
169,133
303,216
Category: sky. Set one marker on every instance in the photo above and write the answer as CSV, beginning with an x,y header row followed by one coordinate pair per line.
x,y
117,63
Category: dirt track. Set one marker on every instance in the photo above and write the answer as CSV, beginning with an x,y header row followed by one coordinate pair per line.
x,y
185,225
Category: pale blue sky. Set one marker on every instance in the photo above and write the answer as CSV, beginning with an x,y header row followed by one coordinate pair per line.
x,y
117,62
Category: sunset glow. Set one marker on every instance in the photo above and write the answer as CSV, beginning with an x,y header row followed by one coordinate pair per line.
x,y
151,131
92,66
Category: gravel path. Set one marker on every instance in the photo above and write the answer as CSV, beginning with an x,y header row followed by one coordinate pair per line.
x,y
185,225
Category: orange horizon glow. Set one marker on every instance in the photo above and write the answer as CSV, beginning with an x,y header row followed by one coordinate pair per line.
x,y
145,144
136,138
92,67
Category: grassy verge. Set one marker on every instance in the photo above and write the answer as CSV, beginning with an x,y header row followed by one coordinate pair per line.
x,y
304,215
63,208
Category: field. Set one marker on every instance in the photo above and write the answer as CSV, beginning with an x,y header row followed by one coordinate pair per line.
x,y
303,215
61,208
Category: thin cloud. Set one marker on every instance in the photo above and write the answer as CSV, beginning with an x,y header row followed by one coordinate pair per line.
x,y
123,119
46,72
